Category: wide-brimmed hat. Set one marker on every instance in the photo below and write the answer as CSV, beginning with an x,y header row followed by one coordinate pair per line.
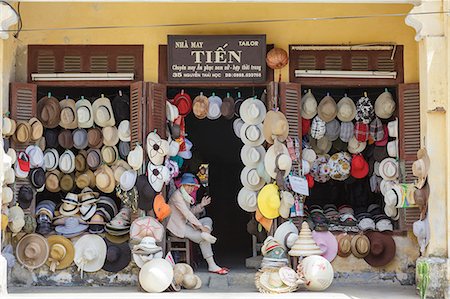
x,y
275,125
250,179
90,253
171,112
104,179
327,243
277,159
327,109
103,112
309,105
384,105
252,134
360,246
252,155
318,128
252,111
214,111
355,147
136,157
247,199
32,251
37,129
269,201
286,234
346,109
359,167
382,249
344,241
157,148
95,138
118,256
94,158
61,253
146,250
80,138
183,102
110,154
22,133
67,162
158,175
49,112
389,169
69,118
421,167
200,106
146,227
156,275
85,113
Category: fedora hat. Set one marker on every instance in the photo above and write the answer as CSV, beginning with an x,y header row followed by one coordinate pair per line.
x,y
384,105
252,155
67,182
269,201
85,179
275,125
252,111
51,159
32,251
61,253
85,113
183,102
36,156
382,249
237,125
23,132
80,138
171,112
80,161
392,127
344,241
104,179
128,179
37,178
392,148
90,253
65,139
287,201
346,109
110,154
94,158
389,169
157,148
119,167
277,158
146,193
327,109
49,112
67,162
200,106
136,157
360,246
95,138
69,118
158,175
123,131
252,134
421,167
8,126
118,256
37,129
247,200
215,103
309,105
286,234
124,149
250,179
327,243
107,207
103,112
110,136
227,108
52,179
97,224
25,196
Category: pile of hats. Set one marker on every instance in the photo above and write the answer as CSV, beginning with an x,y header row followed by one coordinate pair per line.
x,y
184,276
146,250
274,254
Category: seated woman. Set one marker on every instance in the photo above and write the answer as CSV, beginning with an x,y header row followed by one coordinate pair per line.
x,y
184,224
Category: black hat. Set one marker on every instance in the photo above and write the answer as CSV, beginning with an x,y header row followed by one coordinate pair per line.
x,y
124,149
44,228
146,193
25,197
6,144
51,138
121,107
37,177
118,256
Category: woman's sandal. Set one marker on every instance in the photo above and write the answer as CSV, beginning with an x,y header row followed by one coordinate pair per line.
x,y
221,271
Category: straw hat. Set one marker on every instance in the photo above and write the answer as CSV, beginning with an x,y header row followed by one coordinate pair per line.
x,y
355,147
110,154
69,118
275,124
346,109
119,167
252,134
8,126
309,106
287,201
7,195
32,251
360,246
16,219
67,182
247,200
124,131
80,139
103,112
85,113
251,156
51,159
156,275
80,161
94,158
37,129
85,179
277,158
23,132
215,103
136,157
171,112
252,111
200,106
305,244
90,253
344,244
327,109
52,179
95,138
237,125
36,156
421,167
104,179
61,254
65,139
389,169
49,112
110,136
385,105
250,179
128,180
269,201
67,162
286,234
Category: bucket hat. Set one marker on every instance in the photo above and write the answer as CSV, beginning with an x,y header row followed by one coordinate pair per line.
x,y
118,256
22,133
67,162
32,251
227,108
104,179
85,114
277,159
110,135
339,164
252,111
200,106
146,227
49,112
360,246
327,109
251,156
123,131
183,102
61,253
51,159
389,169
146,193
37,129
318,128
309,105
382,249
95,138
103,112
252,134
69,118
90,253
158,176
384,105
171,112
275,125
364,110
269,201
327,243
320,170
346,109
93,158
247,199
214,107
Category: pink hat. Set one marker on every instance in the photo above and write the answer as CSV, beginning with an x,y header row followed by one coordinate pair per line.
x,y
383,141
327,243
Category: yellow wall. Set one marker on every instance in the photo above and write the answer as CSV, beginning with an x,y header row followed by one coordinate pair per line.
x,y
355,31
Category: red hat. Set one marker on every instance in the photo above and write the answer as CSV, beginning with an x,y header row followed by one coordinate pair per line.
x,y
361,131
310,180
360,167
306,125
383,141
183,102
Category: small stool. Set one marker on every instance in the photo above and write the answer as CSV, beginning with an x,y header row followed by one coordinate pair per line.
x,y
182,245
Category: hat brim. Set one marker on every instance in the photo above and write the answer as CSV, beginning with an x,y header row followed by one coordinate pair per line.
x,y
70,251
388,253
327,243
123,260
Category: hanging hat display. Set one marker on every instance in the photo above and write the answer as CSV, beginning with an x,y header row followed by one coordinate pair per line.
x,y
309,105
305,244
252,111
103,112
327,109
109,154
80,139
49,112
51,159
85,113
346,109
8,126
69,118
35,155
214,111
67,162
321,146
110,135
385,105
333,129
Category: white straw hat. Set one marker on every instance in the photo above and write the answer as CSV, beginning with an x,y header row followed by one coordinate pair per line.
x,y
252,155
124,131
90,253
67,162
252,134
247,199
309,105
252,111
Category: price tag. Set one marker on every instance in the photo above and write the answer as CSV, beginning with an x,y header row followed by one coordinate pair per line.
x,y
299,184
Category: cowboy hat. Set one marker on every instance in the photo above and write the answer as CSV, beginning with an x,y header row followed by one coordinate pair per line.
x,y
215,103
67,162
384,105
22,133
90,253
252,111
110,154
158,175
85,114
69,118
346,109
61,253
269,201
49,112
104,179
103,112
389,169
32,251
252,134
118,256
286,234
275,125
251,156
327,109
37,129
135,157
421,167
200,106
327,243
80,138
157,148
123,131
247,199
277,158
360,246
309,105
227,108
250,179
93,158
171,112
382,249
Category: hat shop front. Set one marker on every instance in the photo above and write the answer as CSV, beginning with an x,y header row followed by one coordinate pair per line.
x,y
220,167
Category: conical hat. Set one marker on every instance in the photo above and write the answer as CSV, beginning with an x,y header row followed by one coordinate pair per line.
x,y
305,244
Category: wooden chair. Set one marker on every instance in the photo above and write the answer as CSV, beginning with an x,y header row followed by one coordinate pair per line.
x,y
181,245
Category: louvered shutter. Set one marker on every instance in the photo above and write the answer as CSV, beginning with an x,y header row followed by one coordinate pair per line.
x,y
156,108
409,143
136,113
23,102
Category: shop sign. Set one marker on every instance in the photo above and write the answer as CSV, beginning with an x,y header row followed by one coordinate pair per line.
x,y
216,58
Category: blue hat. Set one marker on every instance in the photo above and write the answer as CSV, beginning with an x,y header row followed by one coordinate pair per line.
x,y
188,179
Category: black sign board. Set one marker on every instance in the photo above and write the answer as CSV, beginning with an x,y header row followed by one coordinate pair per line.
x,y
216,58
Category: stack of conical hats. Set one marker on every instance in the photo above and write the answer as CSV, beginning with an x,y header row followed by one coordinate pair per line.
x,y
305,245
